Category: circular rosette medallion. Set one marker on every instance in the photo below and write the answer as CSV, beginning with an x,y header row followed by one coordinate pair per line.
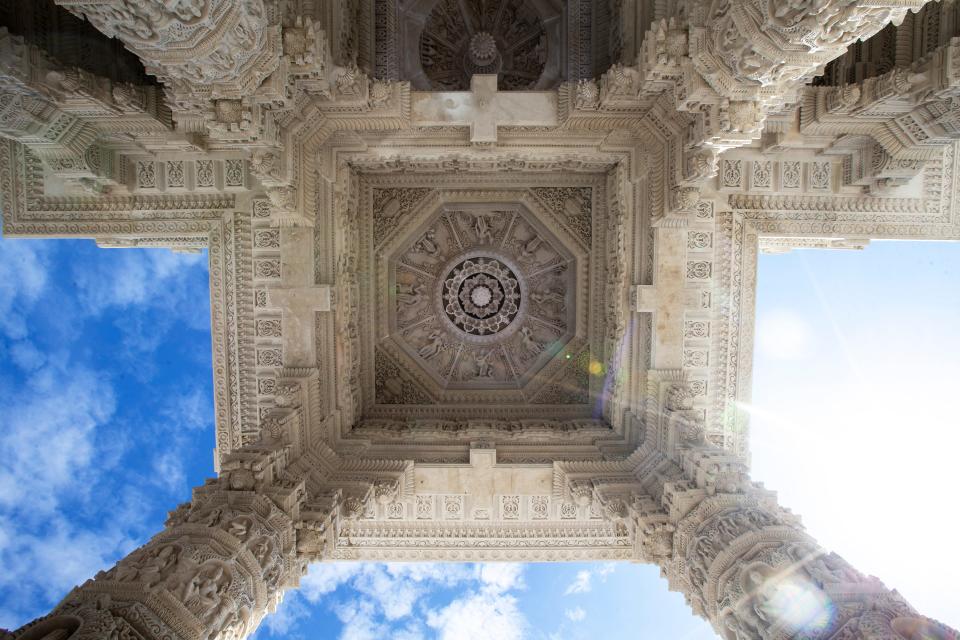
x,y
481,296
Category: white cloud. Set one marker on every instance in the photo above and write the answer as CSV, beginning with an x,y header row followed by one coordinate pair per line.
x,y
192,410
140,281
141,278
26,356
389,600
581,583
498,577
479,616
48,439
285,618
23,278
577,614
410,632
784,335
61,442
169,472
324,577
53,460
358,618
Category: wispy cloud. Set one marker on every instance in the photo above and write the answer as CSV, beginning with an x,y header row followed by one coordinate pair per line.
x,y
583,583
577,614
479,616
391,600
69,438
23,278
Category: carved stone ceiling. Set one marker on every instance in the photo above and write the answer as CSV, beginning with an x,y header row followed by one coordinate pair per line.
x,y
479,304
519,40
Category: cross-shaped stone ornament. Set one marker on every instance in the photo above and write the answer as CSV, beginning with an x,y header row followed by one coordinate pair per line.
x,y
483,480
484,109
298,306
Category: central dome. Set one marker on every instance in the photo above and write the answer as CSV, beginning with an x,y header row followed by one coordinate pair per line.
x,y
481,296
502,37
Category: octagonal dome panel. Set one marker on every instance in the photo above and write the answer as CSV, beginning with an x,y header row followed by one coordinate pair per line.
x,y
482,296
480,299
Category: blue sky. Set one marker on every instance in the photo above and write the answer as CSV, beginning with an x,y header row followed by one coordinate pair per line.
x,y
106,402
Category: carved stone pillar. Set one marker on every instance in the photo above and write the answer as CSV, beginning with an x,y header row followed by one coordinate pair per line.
x,y
744,43
747,565
220,565
225,43
754,573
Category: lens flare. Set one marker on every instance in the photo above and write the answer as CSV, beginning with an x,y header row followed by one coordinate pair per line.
x,y
595,368
799,606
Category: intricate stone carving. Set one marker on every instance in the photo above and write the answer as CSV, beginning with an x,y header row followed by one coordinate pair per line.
x,y
505,38
481,296
465,303
193,41
218,566
611,412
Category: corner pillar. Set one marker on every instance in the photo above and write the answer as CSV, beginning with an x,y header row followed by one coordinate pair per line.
x,y
219,566
746,564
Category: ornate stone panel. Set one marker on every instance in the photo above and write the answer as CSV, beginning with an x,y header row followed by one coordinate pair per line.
x,y
444,42
481,297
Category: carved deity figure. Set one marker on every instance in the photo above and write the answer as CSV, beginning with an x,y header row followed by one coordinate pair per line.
x,y
528,250
530,344
239,527
433,347
484,232
428,244
204,591
410,294
553,299
210,519
261,550
152,569
482,361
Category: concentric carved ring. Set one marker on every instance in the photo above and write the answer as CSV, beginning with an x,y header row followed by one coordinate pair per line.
x,y
481,296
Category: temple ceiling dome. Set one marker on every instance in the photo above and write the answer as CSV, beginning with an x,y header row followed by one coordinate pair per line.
x,y
518,40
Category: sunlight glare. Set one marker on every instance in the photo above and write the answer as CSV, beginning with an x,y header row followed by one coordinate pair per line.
x,y
799,606
784,335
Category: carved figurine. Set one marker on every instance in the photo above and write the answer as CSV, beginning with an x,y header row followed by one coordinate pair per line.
x,y
433,347
482,361
410,294
427,244
530,344
484,232
528,250
554,299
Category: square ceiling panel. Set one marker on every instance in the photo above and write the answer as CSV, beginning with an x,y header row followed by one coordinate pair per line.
x,y
477,299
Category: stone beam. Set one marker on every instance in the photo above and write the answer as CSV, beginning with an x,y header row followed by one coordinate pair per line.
x,y
482,480
298,298
742,47
484,109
